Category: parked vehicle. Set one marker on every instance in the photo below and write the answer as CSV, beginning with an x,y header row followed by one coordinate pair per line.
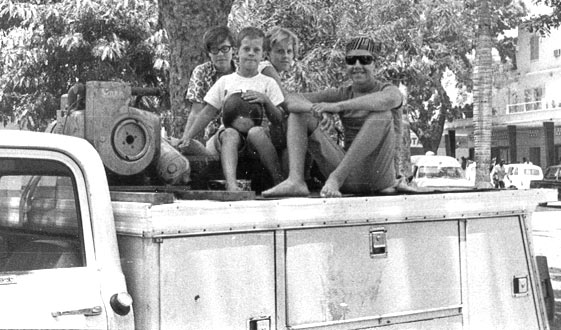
x,y
553,173
519,175
551,179
438,171
71,258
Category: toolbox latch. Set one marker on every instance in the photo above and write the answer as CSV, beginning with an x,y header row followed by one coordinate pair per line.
x,y
259,323
378,243
520,286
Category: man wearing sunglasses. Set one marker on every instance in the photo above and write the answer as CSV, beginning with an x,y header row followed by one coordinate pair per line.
x,y
368,109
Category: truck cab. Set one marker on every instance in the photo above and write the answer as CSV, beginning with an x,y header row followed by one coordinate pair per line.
x,y
71,252
59,262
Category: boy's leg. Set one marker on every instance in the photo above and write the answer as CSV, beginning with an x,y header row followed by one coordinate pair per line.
x,y
261,142
299,124
230,142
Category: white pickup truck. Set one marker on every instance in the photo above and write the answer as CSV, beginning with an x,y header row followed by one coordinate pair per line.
x,y
70,256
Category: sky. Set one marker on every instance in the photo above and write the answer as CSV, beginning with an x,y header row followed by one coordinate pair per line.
x,y
537,10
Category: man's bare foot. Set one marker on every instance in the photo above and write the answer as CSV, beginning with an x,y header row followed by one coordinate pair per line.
x,y
399,186
288,188
330,189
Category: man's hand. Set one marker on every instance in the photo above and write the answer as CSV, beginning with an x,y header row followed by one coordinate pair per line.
x,y
255,97
325,107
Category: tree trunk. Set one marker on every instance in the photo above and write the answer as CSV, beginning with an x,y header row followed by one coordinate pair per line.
x,y
404,159
185,22
482,79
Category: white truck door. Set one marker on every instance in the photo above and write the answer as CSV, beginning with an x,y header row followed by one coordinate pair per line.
x,y
48,277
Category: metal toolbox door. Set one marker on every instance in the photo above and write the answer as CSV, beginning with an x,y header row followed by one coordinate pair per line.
x,y
217,281
368,273
500,293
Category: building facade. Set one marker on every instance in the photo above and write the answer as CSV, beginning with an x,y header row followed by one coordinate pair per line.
x,y
526,106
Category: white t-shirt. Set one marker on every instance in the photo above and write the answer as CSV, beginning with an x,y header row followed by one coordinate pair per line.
x,y
234,83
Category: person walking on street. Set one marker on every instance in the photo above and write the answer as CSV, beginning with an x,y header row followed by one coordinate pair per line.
x,y
498,174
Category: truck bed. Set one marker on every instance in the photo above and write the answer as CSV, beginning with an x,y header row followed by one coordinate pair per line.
x,y
194,216
435,260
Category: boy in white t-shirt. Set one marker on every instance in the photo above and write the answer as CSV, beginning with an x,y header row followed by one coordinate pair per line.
x,y
253,88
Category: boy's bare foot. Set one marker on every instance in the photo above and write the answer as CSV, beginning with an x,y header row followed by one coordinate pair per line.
x,y
330,189
233,186
288,188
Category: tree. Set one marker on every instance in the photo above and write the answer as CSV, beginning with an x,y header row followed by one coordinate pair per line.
x,y
45,46
185,22
543,23
482,79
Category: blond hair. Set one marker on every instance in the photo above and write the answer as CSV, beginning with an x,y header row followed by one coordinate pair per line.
x,y
278,34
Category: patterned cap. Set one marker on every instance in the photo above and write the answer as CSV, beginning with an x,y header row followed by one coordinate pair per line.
x,y
365,43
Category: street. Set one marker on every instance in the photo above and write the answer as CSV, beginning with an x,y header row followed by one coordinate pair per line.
x,y
546,226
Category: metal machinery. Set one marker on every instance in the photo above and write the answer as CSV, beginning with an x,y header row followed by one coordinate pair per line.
x,y
128,139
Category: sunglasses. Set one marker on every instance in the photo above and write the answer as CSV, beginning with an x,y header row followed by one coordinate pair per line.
x,y
363,59
223,49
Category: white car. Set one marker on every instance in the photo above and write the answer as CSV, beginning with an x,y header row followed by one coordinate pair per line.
x,y
519,175
438,171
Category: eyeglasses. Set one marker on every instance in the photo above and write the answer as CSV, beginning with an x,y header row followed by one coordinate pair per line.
x,y
223,49
363,59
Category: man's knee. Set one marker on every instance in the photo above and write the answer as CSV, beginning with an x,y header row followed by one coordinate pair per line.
x,y
379,119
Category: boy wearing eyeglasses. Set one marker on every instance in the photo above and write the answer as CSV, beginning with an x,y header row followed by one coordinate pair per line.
x,y
247,87
218,42
368,109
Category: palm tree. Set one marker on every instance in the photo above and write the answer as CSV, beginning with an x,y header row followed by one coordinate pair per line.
x,y
482,79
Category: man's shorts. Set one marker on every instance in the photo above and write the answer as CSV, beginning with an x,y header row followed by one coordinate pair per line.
x,y
374,173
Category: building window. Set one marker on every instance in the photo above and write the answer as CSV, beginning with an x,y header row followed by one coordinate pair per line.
x,y
533,98
534,48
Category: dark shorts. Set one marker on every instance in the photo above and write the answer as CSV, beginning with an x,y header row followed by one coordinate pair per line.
x,y
374,173
214,144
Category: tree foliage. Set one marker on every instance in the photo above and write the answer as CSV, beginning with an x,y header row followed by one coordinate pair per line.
x,y
543,23
47,45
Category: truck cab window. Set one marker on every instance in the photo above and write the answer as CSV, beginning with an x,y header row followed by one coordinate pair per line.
x,y
39,218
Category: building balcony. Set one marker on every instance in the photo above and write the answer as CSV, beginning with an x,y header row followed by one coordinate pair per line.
x,y
528,114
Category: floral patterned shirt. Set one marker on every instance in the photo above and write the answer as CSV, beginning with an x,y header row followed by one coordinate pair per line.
x,y
202,79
